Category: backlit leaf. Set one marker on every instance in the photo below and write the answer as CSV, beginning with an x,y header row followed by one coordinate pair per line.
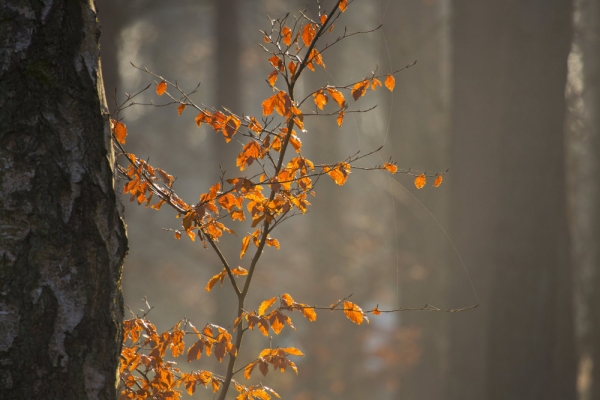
x,y
390,167
343,5
337,96
272,78
308,34
177,235
264,306
239,271
353,312
359,89
438,181
120,131
420,181
390,83
245,243
374,83
161,88
376,311
320,99
340,118
273,242
286,33
293,351
180,108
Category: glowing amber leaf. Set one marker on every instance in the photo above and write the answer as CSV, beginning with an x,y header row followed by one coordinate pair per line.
x,y
120,130
180,108
293,351
390,167
245,243
254,126
308,34
277,63
273,242
264,306
287,299
161,88
277,321
204,116
283,103
250,152
339,173
343,5
323,19
309,313
320,99
177,235
287,35
272,78
216,278
230,127
195,352
438,181
359,89
376,311
292,67
239,271
390,83
340,118
238,215
296,142
247,372
353,312
420,181
374,83
337,96
316,57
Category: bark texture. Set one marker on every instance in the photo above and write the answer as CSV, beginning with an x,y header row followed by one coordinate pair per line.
x,y
62,241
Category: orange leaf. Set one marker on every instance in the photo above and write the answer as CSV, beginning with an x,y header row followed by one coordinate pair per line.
x,y
213,281
277,63
180,108
340,118
343,5
308,34
268,105
390,83
177,235
390,167
287,36
245,243
230,127
264,306
438,181
292,67
320,99
337,96
293,351
316,57
120,130
374,83
420,181
287,299
273,242
376,311
272,78
359,89
239,271
323,19
353,312
309,313
161,88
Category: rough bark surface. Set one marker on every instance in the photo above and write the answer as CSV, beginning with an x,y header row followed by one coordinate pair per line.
x,y
62,241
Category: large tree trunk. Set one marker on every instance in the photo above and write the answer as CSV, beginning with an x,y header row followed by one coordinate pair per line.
x,y
62,241
510,60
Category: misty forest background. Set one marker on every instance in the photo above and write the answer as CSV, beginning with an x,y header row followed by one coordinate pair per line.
x,y
505,94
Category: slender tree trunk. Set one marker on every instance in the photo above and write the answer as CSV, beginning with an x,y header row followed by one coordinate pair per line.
x,y
509,80
62,241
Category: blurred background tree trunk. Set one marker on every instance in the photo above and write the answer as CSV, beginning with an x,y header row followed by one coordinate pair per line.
x,y
62,241
583,95
509,69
